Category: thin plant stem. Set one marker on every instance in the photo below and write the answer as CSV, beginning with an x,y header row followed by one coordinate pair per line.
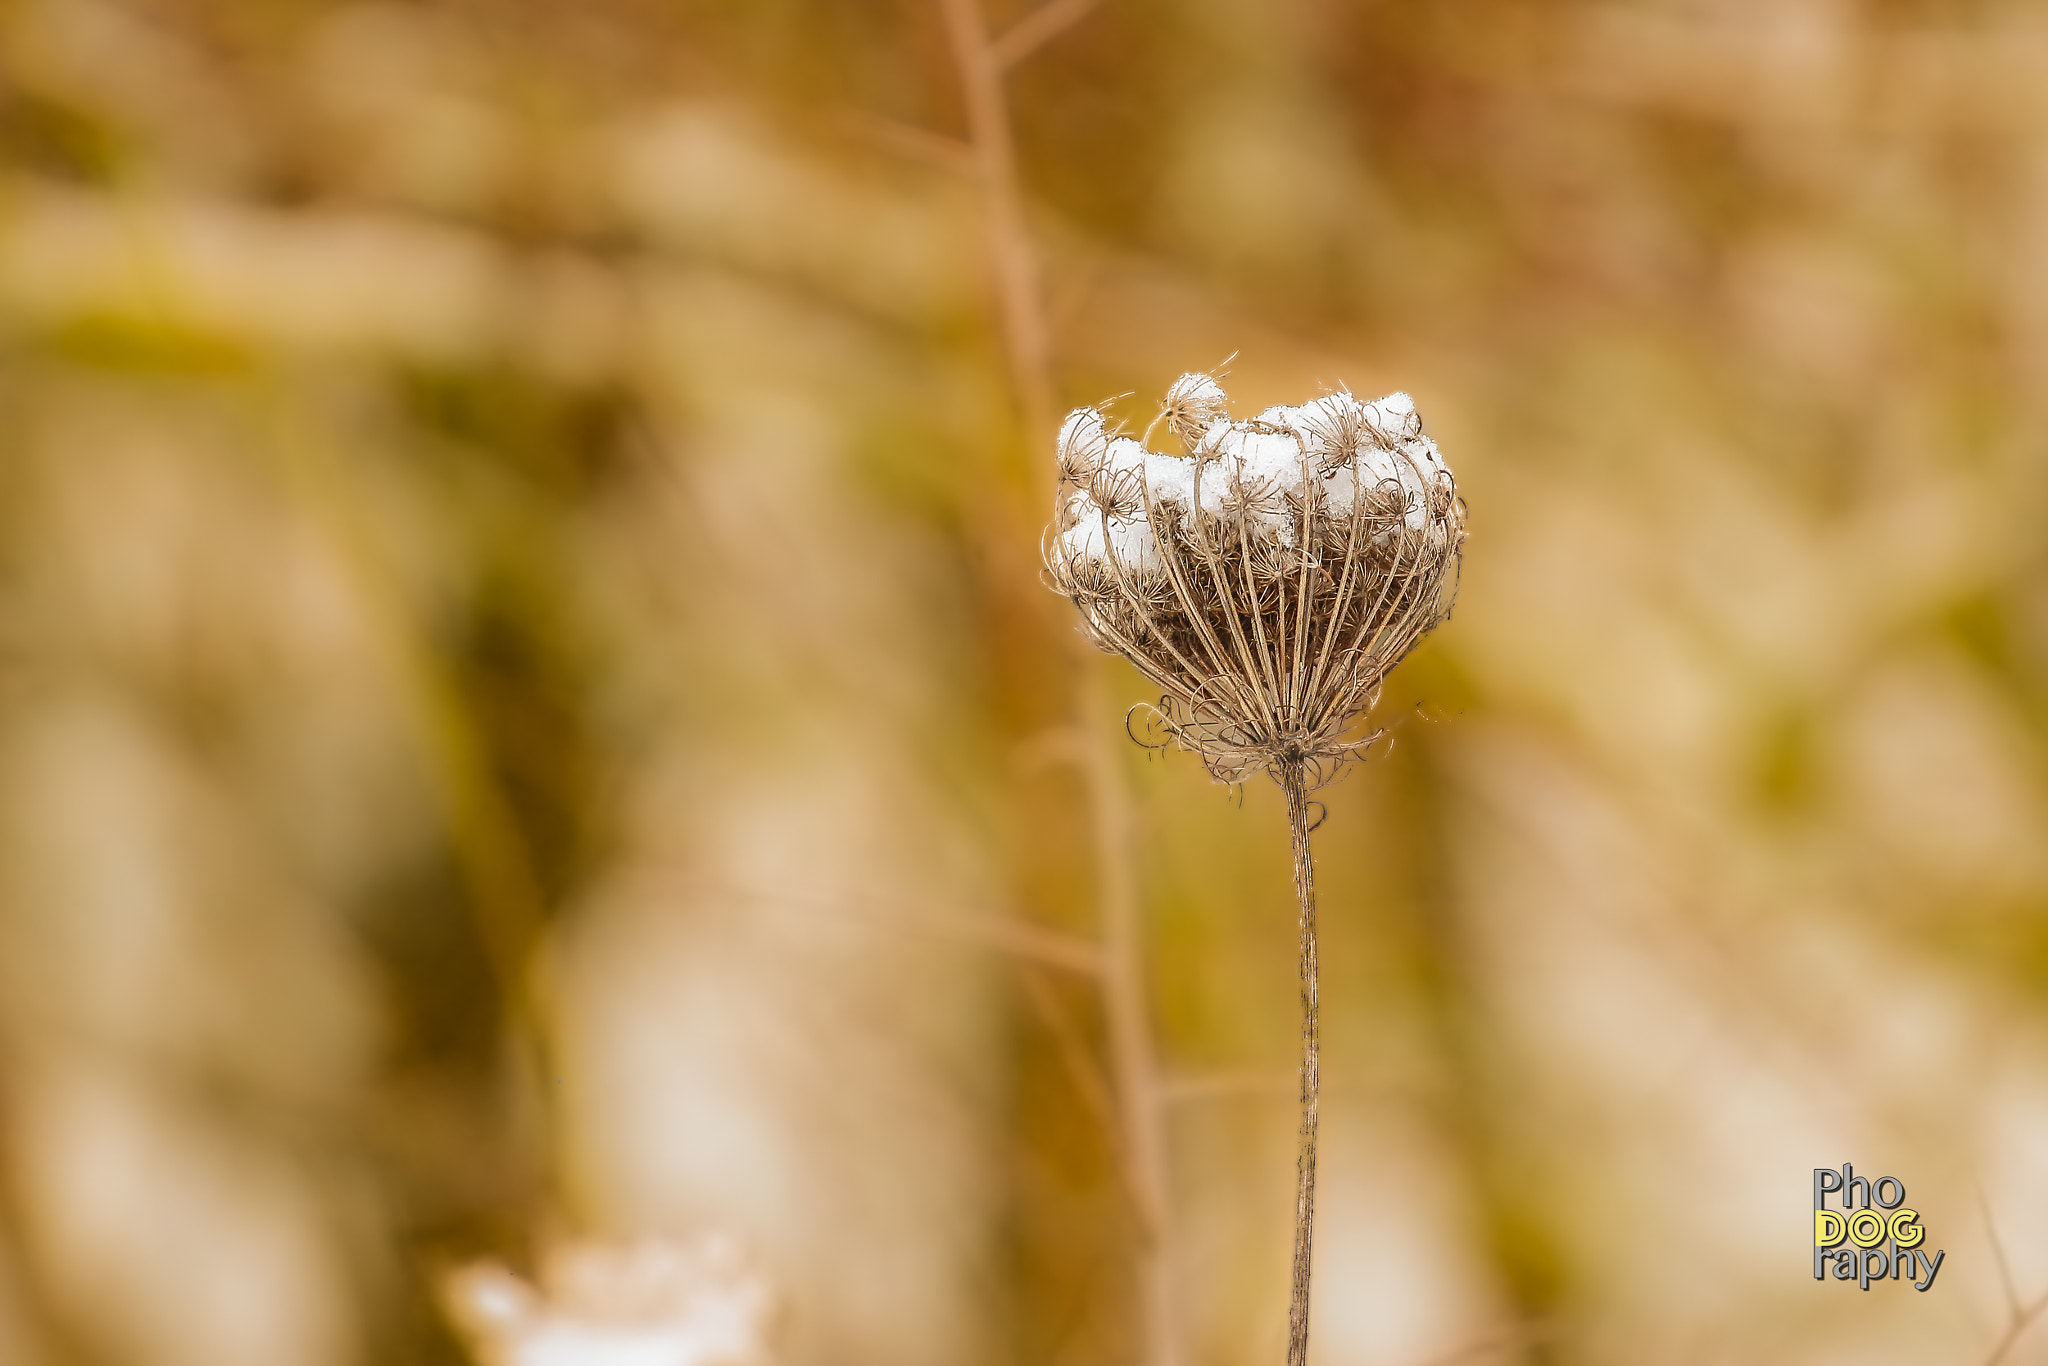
x,y
1294,782
40,1317
1038,28
2022,1319
1026,333
2018,1317
1134,1061
1084,1069
1134,1066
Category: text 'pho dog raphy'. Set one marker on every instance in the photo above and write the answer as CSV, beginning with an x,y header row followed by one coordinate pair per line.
x,y
1874,1236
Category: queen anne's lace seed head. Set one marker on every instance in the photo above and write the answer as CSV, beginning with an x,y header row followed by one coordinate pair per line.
x,y
1192,403
1267,581
1083,446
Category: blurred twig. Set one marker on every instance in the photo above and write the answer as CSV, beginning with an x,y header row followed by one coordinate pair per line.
x,y
39,1313
1075,1054
1027,337
910,141
2019,1317
1267,1084
1010,256
1038,28
998,931
2022,1319
1506,1337
1133,1054
2012,1294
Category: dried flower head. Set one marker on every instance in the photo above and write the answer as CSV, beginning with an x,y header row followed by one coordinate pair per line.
x,y
648,1303
1267,580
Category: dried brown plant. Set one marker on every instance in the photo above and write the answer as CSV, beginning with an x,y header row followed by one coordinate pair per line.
x,y
1265,582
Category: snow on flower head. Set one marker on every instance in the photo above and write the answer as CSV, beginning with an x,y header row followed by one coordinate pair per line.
x,y
1192,403
648,1303
1083,442
1267,580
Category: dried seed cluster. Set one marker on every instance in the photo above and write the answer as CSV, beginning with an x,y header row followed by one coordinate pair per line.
x,y
1267,580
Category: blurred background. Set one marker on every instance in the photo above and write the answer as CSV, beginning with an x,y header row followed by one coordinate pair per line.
x,y
527,712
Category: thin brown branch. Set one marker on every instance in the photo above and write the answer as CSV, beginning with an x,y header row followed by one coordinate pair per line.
x,y
2022,1319
1075,1054
2012,1294
2018,1317
1038,28
1125,1001
1503,1338
909,141
1027,337
1020,939
1229,1085
1265,1083
1057,744
1011,259
995,930
42,1320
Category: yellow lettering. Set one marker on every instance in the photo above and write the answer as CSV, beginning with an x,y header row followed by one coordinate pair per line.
x,y
1904,1227
1827,1227
1866,1228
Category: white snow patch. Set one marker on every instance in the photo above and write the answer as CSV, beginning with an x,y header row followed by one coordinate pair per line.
x,y
1266,462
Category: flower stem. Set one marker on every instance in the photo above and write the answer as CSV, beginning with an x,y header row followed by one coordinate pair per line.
x,y
1292,780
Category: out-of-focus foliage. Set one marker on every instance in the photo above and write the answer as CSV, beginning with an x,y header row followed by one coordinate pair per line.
x,y
527,709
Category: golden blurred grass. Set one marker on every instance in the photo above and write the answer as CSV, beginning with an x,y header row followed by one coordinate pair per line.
x,y
483,480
